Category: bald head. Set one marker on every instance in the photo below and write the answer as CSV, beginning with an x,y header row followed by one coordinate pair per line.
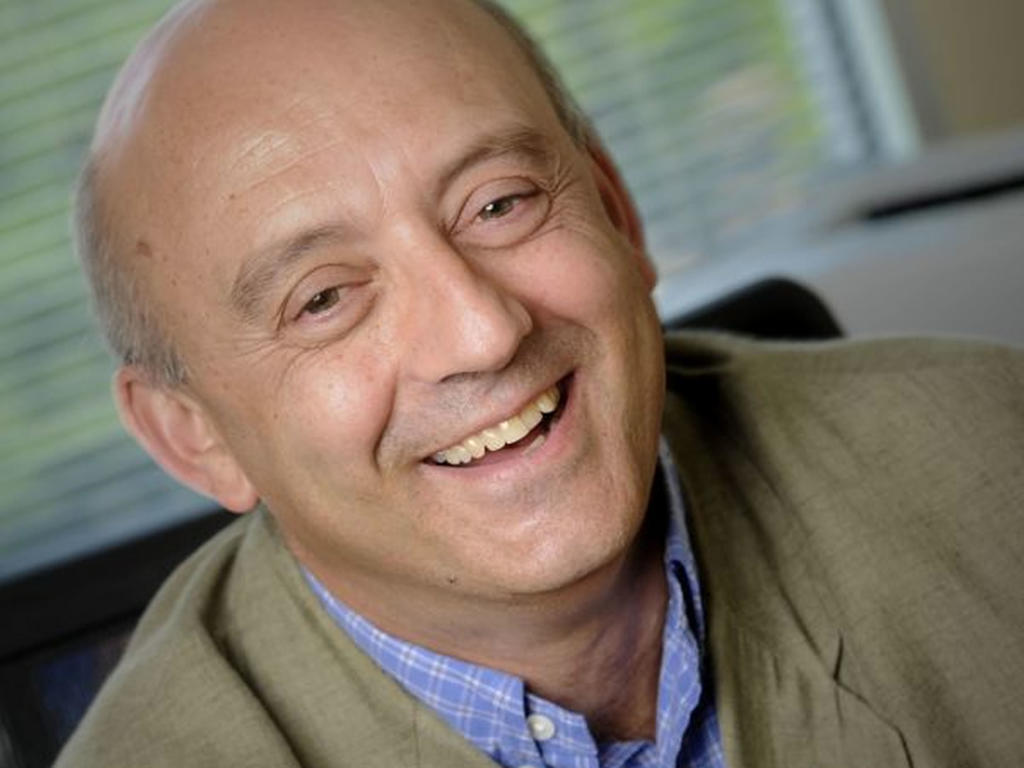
x,y
369,231
180,104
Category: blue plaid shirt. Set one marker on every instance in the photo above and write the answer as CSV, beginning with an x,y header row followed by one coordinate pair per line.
x,y
495,712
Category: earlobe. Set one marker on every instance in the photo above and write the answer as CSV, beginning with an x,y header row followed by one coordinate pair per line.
x,y
175,430
619,206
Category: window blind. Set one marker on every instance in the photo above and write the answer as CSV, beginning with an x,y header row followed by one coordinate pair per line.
x,y
713,110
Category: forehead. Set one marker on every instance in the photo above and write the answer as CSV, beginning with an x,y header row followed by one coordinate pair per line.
x,y
256,100
285,77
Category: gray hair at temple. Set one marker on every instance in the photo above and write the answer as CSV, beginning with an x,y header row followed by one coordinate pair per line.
x,y
130,323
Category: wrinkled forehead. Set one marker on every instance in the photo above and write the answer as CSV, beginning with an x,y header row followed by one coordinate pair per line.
x,y
243,76
231,93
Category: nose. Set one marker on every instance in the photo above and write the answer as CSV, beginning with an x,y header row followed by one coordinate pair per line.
x,y
458,317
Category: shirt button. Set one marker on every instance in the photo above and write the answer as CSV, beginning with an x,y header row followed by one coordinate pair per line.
x,y
541,728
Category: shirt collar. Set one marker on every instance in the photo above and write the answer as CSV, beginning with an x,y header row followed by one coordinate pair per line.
x,y
678,551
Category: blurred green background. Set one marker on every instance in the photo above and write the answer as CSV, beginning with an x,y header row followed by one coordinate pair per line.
x,y
707,106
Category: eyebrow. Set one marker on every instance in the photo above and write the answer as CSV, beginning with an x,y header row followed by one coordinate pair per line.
x,y
256,278
519,141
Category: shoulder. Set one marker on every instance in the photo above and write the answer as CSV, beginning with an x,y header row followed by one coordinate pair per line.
x,y
176,696
891,464
937,390
877,485
703,352
236,663
929,424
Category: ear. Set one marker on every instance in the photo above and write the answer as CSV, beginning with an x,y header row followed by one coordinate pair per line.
x,y
176,431
619,206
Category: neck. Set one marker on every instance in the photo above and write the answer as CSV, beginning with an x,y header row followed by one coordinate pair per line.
x,y
594,649
608,669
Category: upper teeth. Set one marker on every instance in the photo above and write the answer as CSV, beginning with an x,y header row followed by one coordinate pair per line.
x,y
504,433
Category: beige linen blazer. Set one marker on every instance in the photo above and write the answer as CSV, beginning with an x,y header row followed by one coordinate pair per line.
x,y
857,514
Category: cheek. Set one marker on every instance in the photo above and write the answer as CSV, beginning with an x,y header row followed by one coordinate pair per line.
x,y
336,403
578,278
293,424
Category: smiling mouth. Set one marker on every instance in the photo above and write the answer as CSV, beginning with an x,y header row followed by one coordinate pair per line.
x,y
525,431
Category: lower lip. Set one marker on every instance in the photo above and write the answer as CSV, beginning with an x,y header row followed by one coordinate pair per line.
x,y
527,451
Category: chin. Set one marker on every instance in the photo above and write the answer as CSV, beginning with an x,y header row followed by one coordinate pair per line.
x,y
565,558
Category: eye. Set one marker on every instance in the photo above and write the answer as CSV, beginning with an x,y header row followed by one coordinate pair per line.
x,y
329,309
500,207
330,297
321,302
502,213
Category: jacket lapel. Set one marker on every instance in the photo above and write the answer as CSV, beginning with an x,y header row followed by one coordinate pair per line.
x,y
330,701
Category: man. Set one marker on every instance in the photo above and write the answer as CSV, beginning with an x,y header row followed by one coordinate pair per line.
x,y
377,286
